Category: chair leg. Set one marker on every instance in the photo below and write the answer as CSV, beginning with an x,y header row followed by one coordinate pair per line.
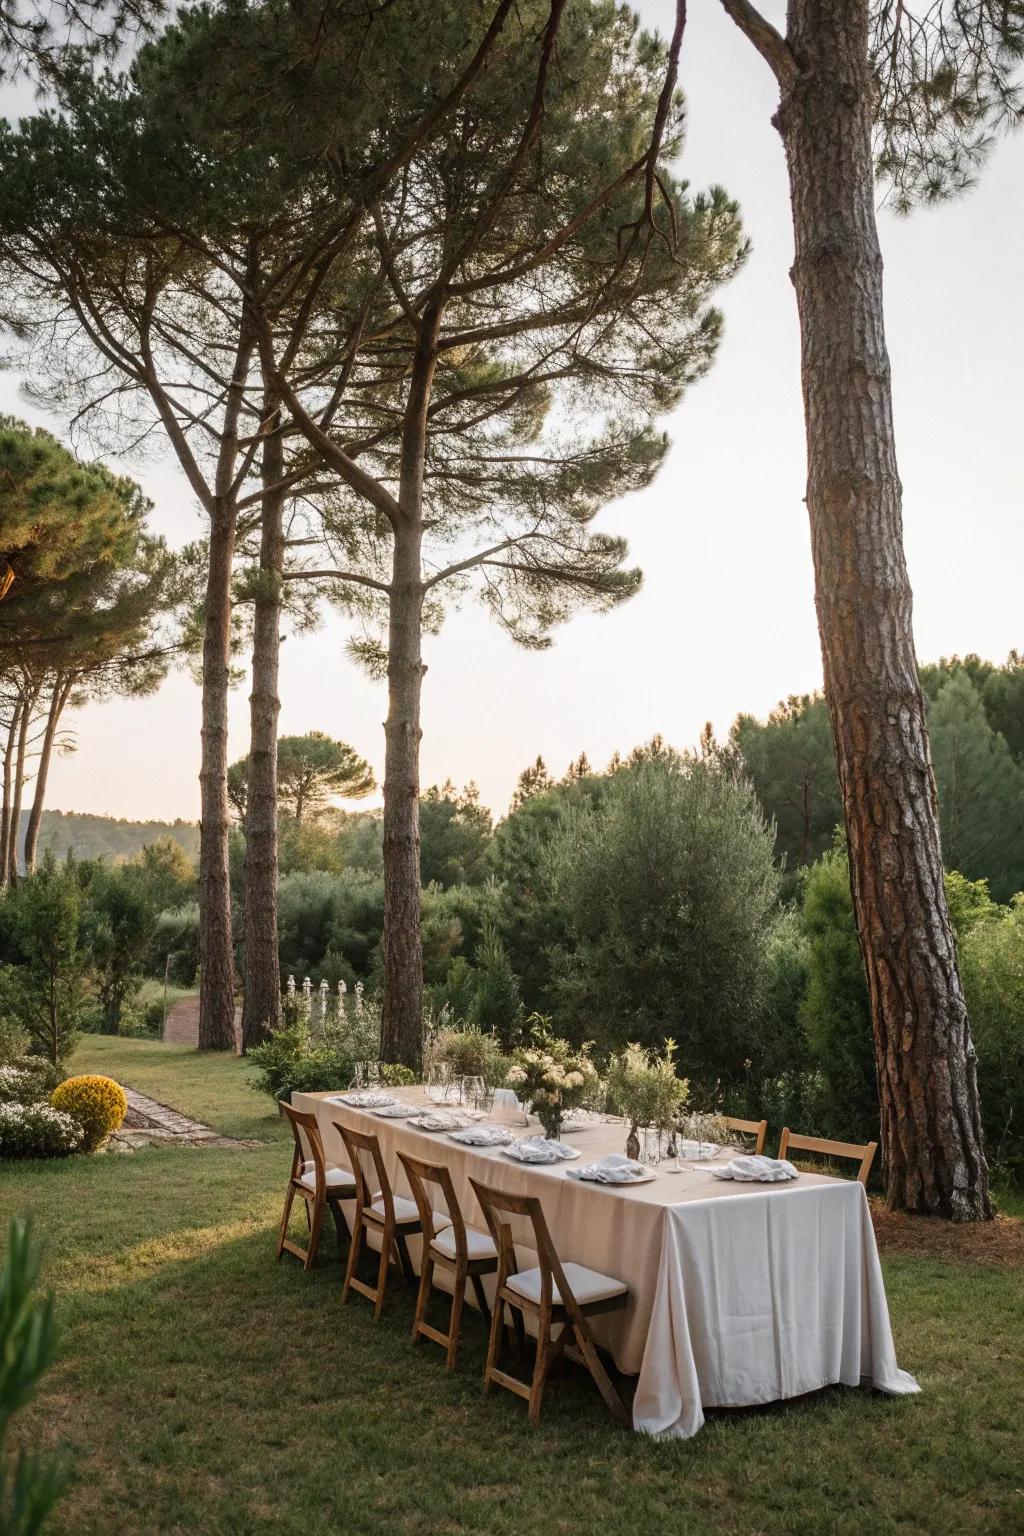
x,y
455,1322
426,1280
481,1296
519,1330
340,1225
584,1339
315,1224
405,1262
283,1233
541,1366
353,1258
387,1238
494,1341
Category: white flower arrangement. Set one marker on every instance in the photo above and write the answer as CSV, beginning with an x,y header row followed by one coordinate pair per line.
x,y
552,1076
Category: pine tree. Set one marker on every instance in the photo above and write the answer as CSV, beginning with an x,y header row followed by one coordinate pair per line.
x,y
915,93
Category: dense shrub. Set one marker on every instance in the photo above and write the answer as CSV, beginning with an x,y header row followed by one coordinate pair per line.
x,y
29,1080
97,1103
669,889
835,1010
992,964
45,984
38,1130
330,925
175,944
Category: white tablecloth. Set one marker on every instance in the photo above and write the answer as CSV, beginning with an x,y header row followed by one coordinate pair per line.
x,y
763,1297
738,1294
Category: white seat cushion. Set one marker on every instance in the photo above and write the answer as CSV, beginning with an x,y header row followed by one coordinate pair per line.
x,y
479,1245
586,1285
406,1210
337,1178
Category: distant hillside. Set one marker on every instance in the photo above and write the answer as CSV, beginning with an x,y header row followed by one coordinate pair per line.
x,y
93,837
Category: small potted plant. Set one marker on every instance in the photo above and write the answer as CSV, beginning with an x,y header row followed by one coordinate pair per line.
x,y
643,1087
552,1076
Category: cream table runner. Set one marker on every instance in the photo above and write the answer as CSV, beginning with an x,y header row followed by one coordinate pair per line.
x,y
739,1294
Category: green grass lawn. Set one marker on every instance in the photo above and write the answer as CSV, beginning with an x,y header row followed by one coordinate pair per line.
x,y
203,1389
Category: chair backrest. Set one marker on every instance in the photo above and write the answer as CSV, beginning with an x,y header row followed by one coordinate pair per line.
x,y
420,1174
301,1124
497,1204
360,1145
756,1128
791,1141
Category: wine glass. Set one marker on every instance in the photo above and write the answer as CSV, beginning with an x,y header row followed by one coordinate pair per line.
x,y
650,1154
439,1082
473,1092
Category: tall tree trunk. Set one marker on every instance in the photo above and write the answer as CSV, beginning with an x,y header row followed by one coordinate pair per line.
x,y
24,726
261,1009
216,952
216,956
58,699
402,1028
931,1125
402,1024
5,814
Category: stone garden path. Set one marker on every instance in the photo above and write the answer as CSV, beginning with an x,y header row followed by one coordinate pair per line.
x,y
149,1123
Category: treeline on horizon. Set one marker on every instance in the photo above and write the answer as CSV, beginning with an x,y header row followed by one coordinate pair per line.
x,y
86,835
976,720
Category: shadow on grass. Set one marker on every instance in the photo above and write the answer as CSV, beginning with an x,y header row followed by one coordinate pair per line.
x,y
204,1388
220,1392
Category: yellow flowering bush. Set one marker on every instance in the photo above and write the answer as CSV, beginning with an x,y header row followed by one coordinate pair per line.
x,y
97,1103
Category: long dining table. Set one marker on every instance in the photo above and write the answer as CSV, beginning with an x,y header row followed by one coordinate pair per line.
x,y
739,1294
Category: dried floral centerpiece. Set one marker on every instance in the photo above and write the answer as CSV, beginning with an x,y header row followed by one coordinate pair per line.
x,y
552,1076
644,1088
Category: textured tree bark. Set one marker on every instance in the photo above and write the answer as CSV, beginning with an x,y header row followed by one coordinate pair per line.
x,y
58,699
930,1120
402,1024
261,1008
216,957
402,1027
24,724
5,814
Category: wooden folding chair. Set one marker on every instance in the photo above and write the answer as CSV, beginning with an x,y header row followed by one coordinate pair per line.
x,y
321,1187
790,1141
554,1294
756,1128
463,1250
395,1217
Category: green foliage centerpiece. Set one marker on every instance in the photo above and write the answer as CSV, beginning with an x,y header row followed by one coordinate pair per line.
x,y
552,1076
644,1088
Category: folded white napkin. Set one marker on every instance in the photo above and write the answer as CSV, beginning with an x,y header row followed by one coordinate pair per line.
x,y
439,1120
614,1169
484,1136
372,1098
698,1151
393,1111
756,1170
537,1149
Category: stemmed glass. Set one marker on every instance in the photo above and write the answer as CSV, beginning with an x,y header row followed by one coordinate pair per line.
x,y
473,1092
439,1082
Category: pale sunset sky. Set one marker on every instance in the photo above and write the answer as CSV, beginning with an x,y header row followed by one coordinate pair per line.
x,y
725,620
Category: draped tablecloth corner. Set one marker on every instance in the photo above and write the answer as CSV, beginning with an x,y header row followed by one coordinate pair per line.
x,y
759,1302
